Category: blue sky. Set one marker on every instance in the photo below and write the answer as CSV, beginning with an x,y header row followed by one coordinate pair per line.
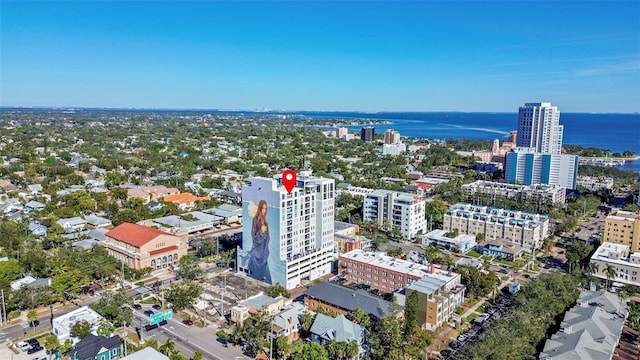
x,y
312,55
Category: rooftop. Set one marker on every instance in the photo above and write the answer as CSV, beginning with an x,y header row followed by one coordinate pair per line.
x,y
349,299
134,234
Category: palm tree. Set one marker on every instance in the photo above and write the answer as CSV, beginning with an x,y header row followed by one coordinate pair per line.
x,y
51,343
592,268
168,347
352,349
32,316
611,273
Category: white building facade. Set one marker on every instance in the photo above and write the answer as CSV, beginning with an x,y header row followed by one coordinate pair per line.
x,y
301,229
402,211
528,167
553,193
539,128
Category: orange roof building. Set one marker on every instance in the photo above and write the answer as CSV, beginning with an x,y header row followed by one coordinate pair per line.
x,y
142,246
184,200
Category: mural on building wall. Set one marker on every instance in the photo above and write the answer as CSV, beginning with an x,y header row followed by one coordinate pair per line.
x,y
259,255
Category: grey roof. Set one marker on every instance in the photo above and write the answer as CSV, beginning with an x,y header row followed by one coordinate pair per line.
x,y
427,285
90,345
147,353
86,244
349,299
95,220
338,329
340,225
260,301
290,316
35,205
590,330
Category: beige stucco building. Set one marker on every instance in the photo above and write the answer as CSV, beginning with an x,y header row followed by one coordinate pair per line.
x,y
142,246
522,228
623,228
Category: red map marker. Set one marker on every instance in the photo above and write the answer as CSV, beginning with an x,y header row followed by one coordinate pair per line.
x,y
289,179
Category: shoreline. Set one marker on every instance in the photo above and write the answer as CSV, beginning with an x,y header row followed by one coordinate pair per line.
x,y
632,158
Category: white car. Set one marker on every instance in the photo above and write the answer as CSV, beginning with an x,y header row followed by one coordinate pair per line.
x,y
23,346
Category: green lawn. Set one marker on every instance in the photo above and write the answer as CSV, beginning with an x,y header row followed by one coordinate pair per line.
x,y
471,317
473,253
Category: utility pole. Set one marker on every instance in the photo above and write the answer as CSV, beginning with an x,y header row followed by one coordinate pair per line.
x,y
122,280
222,302
4,309
271,341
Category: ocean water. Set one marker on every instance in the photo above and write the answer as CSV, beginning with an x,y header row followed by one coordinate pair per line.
x,y
615,132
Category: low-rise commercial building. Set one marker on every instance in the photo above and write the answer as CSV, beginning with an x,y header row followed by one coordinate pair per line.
x,y
346,237
523,228
461,243
62,324
343,300
501,248
618,256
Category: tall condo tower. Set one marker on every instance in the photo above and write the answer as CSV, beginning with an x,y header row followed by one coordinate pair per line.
x,y
287,238
539,128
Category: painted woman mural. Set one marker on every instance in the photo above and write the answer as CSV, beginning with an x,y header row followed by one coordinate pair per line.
x,y
259,254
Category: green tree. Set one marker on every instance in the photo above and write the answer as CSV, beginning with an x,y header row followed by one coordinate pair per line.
x,y
277,290
312,351
116,307
283,348
81,328
411,312
611,273
352,350
11,270
168,347
51,343
306,320
183,294
360,318
197,355
32,316
189,268
105,328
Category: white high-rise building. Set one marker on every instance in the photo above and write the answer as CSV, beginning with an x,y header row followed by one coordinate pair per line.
x,y
402,211
539,128
296,244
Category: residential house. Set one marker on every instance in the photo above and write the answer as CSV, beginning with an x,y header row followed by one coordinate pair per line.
x,y
151,193
326,329
154,205
72,225
93,347
37,229
63,323
185,201
30,282
590,330
142,246
34,206
501,248
287,322
34,189
257,303
97,221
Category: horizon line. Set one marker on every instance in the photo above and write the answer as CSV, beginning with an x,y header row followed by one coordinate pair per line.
x,y
262,110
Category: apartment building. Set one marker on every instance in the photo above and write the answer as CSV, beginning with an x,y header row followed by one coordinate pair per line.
x,y
528,167
389,274
293,241
391,137
539,127
623,227
522,228
436,302
625,263
538,192
402,211
595,183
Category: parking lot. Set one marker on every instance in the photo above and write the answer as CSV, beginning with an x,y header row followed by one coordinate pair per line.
x,y
222,291
479,325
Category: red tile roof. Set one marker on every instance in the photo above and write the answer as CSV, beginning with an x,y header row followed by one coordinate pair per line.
x,y
164,249
134,234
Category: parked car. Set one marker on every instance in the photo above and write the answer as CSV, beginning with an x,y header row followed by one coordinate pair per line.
x,y
187,322
34,350
157,307
137,306
456,344
148,312
23,346
33,342
445,352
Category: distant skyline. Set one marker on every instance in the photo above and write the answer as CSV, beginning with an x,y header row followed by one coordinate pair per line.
x,y
322,56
